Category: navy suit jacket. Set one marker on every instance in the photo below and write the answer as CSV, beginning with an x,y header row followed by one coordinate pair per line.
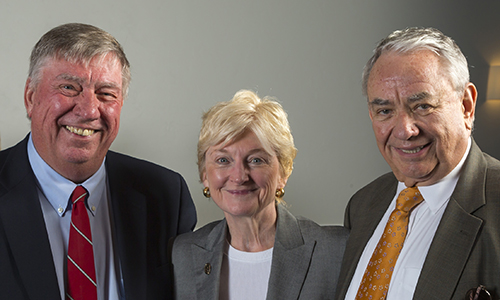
x,y
149,205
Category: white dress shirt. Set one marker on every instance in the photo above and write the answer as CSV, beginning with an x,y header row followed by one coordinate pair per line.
x,y
54,192
422,226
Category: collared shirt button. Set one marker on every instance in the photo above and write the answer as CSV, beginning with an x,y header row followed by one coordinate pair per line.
x,y
60,210
93,208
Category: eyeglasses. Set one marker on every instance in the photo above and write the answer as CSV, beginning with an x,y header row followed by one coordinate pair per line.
x,y
479,293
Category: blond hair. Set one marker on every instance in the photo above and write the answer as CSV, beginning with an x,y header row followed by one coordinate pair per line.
x,y
246,111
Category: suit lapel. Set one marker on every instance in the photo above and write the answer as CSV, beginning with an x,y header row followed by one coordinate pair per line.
x,y
129,225
456,234
291,258
362,228
207,261
24,225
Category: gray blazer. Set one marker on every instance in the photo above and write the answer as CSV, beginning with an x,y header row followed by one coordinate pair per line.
x,y
305,264
465,251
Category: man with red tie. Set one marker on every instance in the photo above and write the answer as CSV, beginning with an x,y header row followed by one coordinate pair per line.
x,y
78,221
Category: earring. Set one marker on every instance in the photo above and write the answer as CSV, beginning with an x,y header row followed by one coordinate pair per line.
x,y
206,192
280,193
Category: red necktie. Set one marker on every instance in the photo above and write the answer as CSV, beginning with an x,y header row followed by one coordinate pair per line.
x,y
81,270
376,279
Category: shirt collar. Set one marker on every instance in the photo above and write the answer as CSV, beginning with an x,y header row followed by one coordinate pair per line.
x,y
438,194
58,189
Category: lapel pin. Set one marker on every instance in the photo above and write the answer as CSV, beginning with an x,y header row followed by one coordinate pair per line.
x,y
208,268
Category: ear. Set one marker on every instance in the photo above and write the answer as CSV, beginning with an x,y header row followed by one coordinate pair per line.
x,y
28,97
204,179
370,111
282,182
469,104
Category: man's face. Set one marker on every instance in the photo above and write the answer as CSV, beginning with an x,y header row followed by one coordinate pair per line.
x,y
421,123
75,113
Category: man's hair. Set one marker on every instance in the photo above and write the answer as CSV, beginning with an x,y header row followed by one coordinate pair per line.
x,y
415,39
75,42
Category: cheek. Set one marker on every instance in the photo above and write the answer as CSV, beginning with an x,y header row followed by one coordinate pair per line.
x,y
381,131
214,178
111,114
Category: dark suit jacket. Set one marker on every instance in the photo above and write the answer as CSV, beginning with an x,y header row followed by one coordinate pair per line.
x,y
149,205
465,251
305,264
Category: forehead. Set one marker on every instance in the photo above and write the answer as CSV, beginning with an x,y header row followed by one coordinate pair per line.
x,y
104,67
405,68
247,141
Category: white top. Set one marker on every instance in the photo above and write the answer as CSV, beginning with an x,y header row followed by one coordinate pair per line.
x,y
422,226
244,275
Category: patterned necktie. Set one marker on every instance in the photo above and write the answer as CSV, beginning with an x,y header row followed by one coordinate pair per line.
x,y
375,282
81,270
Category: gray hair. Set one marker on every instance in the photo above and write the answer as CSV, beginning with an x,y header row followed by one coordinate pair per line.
x,y
415,39
76,42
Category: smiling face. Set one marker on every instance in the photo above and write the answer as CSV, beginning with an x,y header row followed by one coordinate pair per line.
x,y
421,123
75,114
242,177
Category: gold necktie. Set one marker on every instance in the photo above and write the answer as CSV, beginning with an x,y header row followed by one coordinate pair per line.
x,y
375,282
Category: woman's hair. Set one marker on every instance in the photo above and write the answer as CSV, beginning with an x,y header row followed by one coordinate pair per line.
x,y
413,39
247,112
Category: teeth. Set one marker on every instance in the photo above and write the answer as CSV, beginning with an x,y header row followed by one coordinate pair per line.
x,y
413,150
80,131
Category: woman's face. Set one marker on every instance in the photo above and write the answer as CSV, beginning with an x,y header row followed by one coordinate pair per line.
x,y
242,176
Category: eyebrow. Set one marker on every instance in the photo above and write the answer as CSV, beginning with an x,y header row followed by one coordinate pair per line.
x,y
413,98
79,80
418,97
65,76
253,151
378,101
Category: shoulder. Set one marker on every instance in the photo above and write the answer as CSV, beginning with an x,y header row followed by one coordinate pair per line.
x,y
322,233
200,236
128,163
138,170
290,226
382,182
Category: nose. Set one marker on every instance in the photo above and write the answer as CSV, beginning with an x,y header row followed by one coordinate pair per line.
x,y
405,126
239,173
87,106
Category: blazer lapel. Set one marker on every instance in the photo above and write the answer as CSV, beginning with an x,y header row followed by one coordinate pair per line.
x,y
129,223
207,261
456,234
291,258
362,229
24,225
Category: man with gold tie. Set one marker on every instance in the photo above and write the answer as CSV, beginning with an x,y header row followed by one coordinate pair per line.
x,y
446,243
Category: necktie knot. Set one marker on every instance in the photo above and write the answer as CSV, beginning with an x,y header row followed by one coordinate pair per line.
x,y
79,194
408,199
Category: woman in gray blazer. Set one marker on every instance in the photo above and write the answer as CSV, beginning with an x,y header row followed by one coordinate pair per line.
x,y
259,250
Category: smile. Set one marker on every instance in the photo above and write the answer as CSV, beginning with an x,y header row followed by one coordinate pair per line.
x,y
80,131
415,150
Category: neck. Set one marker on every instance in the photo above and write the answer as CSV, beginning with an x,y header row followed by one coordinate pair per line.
x,y
253,234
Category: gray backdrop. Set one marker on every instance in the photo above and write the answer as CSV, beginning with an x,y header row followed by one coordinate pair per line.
x,y
188,55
